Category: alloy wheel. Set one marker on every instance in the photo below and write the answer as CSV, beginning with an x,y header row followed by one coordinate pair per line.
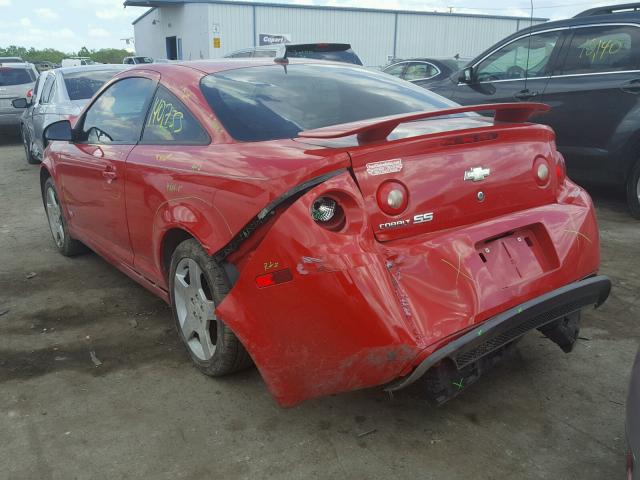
x,y
54,214
195,309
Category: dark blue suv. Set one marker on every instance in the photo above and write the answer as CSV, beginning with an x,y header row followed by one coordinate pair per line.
x,y
588,69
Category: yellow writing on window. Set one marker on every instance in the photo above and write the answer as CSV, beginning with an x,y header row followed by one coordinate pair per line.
x,y
165,115
597,49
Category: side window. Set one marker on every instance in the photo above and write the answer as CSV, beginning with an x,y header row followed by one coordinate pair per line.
x,y
603,49
118,114
527,56
129,61
395,70
169,122
419,70
47,89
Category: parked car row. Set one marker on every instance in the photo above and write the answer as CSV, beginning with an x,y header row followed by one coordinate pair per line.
x,y
586,68
58,94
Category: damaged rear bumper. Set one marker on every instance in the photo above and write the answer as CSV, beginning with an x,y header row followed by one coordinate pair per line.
x,y
510,325
357,313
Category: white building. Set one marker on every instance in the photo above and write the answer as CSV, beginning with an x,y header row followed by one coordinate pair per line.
x,y
196,29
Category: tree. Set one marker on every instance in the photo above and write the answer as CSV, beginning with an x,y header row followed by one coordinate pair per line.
x,y
104,55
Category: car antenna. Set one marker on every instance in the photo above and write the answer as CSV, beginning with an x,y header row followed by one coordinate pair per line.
x,y
526,70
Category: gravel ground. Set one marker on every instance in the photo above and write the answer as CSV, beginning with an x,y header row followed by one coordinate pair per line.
x,y
146,413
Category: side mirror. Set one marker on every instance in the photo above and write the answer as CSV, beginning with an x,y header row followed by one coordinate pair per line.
x,y
60,131
466,75
20,103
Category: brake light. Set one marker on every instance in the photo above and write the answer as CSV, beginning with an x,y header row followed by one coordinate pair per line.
x,y
471,138
393,197
274,278
29,93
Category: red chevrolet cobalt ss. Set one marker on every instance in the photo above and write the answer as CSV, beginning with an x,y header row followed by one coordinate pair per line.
x,y
337,227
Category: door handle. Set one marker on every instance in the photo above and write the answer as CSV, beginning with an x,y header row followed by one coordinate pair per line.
x,y
109,173
632,86
525,94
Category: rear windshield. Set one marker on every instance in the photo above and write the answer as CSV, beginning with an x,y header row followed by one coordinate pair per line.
x,y
345,56
82,85
274,101
16,76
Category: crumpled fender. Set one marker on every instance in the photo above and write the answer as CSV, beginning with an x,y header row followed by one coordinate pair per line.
x,y
320,333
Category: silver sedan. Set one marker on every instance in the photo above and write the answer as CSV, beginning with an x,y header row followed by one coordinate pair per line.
x,y
57,95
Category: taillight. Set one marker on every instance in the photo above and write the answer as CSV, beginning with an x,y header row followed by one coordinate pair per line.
x,y
629,465
541,171
393,197
561,168
328,213
274,278
29,93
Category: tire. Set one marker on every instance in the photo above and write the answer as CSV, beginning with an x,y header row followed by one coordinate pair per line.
x,y
197,285
64,242
26,142
633,191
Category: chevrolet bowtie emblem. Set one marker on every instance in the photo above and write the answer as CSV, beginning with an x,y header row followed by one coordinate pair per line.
x,y
476,174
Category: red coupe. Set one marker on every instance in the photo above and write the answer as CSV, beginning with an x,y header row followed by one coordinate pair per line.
x,y
338,227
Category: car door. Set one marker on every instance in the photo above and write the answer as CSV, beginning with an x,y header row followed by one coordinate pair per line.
x,y
92,169
161,168
39,110
593,96
28,118
516,71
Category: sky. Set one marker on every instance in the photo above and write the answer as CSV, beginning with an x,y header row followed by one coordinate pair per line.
x,y
68,25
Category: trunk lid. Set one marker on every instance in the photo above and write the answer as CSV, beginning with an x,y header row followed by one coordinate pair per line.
x,y
455,178
449,170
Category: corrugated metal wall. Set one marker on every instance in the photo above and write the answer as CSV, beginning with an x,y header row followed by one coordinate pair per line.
x,y
373,35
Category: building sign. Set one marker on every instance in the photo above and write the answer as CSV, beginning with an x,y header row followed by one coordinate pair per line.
x,y
216,42
274,38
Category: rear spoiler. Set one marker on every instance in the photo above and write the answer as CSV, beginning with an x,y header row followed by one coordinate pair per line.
x,y
378,129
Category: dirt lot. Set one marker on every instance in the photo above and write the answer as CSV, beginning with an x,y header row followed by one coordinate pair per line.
x,y
146,413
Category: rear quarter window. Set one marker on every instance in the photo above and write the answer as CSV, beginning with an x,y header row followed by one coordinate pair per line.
x,y
170,122
603,49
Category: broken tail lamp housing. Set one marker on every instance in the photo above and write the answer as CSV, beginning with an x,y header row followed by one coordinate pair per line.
x,y
328,213
561,168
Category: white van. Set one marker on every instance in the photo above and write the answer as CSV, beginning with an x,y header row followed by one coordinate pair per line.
x,y
76,61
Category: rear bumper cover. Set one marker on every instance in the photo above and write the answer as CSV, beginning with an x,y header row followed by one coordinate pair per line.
x,y
512,324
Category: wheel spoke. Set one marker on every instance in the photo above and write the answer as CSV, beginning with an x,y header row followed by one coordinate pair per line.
x,y
181,288
189,326
195,274
208,348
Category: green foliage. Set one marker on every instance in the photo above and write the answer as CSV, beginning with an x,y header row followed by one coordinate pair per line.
x,y
104,55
